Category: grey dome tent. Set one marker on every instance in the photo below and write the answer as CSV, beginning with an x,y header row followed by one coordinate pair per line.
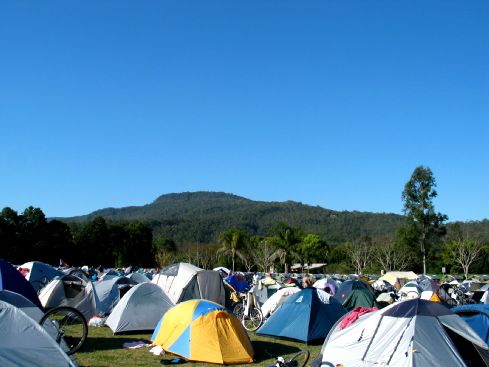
x,y
40,273
410,333
25,343
19,301
69,290
109,292
141,308
183,281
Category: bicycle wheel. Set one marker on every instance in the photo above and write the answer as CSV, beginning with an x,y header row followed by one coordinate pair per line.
x,y
254,320
238,310
69,325
299,359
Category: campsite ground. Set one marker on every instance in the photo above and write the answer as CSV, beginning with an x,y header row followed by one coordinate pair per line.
x,y
103,349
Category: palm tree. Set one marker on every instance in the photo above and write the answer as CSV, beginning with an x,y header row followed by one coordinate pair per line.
x,y
286,239
232,241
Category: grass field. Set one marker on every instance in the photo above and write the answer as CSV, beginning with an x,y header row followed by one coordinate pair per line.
x,y
103,349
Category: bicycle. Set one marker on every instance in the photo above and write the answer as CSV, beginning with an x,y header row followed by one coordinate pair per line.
x,y
299,359
454,296
252,317
67,326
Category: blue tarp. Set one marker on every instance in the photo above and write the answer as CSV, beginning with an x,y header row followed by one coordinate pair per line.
x,y
237,284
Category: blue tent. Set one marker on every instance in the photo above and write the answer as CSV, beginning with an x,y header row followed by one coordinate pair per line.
x,y
306,316
477,316
12,280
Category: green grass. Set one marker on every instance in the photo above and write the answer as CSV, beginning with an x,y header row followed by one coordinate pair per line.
x,y
103,349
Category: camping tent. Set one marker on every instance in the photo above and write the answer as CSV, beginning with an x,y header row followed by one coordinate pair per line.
x,y
264,290
69,290
109,291
138,277
204,331
277,299
399,278
23,303
11,279
477,316
182,282
410,290
140,309
306,316
40,274
25,343
326,284
410,333
354,293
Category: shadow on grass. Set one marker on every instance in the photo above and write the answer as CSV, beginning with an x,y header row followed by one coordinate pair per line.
x,y
264,350
94,344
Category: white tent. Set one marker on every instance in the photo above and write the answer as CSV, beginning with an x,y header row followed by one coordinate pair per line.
x,y
277,299
141,308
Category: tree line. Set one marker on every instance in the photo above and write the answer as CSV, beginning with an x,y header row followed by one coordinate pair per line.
x,y
423,242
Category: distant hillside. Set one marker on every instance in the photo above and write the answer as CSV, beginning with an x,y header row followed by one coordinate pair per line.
x,y
200,217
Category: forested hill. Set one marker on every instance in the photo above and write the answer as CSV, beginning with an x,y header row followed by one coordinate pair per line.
x,y
199,217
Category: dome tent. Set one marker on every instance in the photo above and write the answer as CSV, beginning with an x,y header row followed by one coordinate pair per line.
x,y
306,316
25,343
354,293
183,281
12,280
410,333
140,309
203,331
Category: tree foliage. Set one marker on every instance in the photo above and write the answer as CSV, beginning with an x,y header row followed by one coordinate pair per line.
x,y
424,225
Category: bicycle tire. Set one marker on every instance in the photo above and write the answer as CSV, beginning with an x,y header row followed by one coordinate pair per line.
x,y
70,326
299,359
254,320
238,310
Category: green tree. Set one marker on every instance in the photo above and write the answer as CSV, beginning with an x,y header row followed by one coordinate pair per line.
x,y
10,239
312,249
339,259
165,250
232,242
423,224
285,238
93,243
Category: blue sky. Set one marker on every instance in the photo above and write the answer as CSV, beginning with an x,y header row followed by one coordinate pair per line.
x,y
330,103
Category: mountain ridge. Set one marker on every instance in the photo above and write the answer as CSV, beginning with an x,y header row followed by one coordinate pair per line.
x,y
200,216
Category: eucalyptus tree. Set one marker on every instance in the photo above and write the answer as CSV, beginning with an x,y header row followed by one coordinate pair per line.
x,y
361,253
465,253
424,225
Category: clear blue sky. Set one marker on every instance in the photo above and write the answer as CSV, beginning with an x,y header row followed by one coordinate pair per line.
x,y
327,102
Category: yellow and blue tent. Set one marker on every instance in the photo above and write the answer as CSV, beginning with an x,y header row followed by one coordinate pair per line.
x,y
203,331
